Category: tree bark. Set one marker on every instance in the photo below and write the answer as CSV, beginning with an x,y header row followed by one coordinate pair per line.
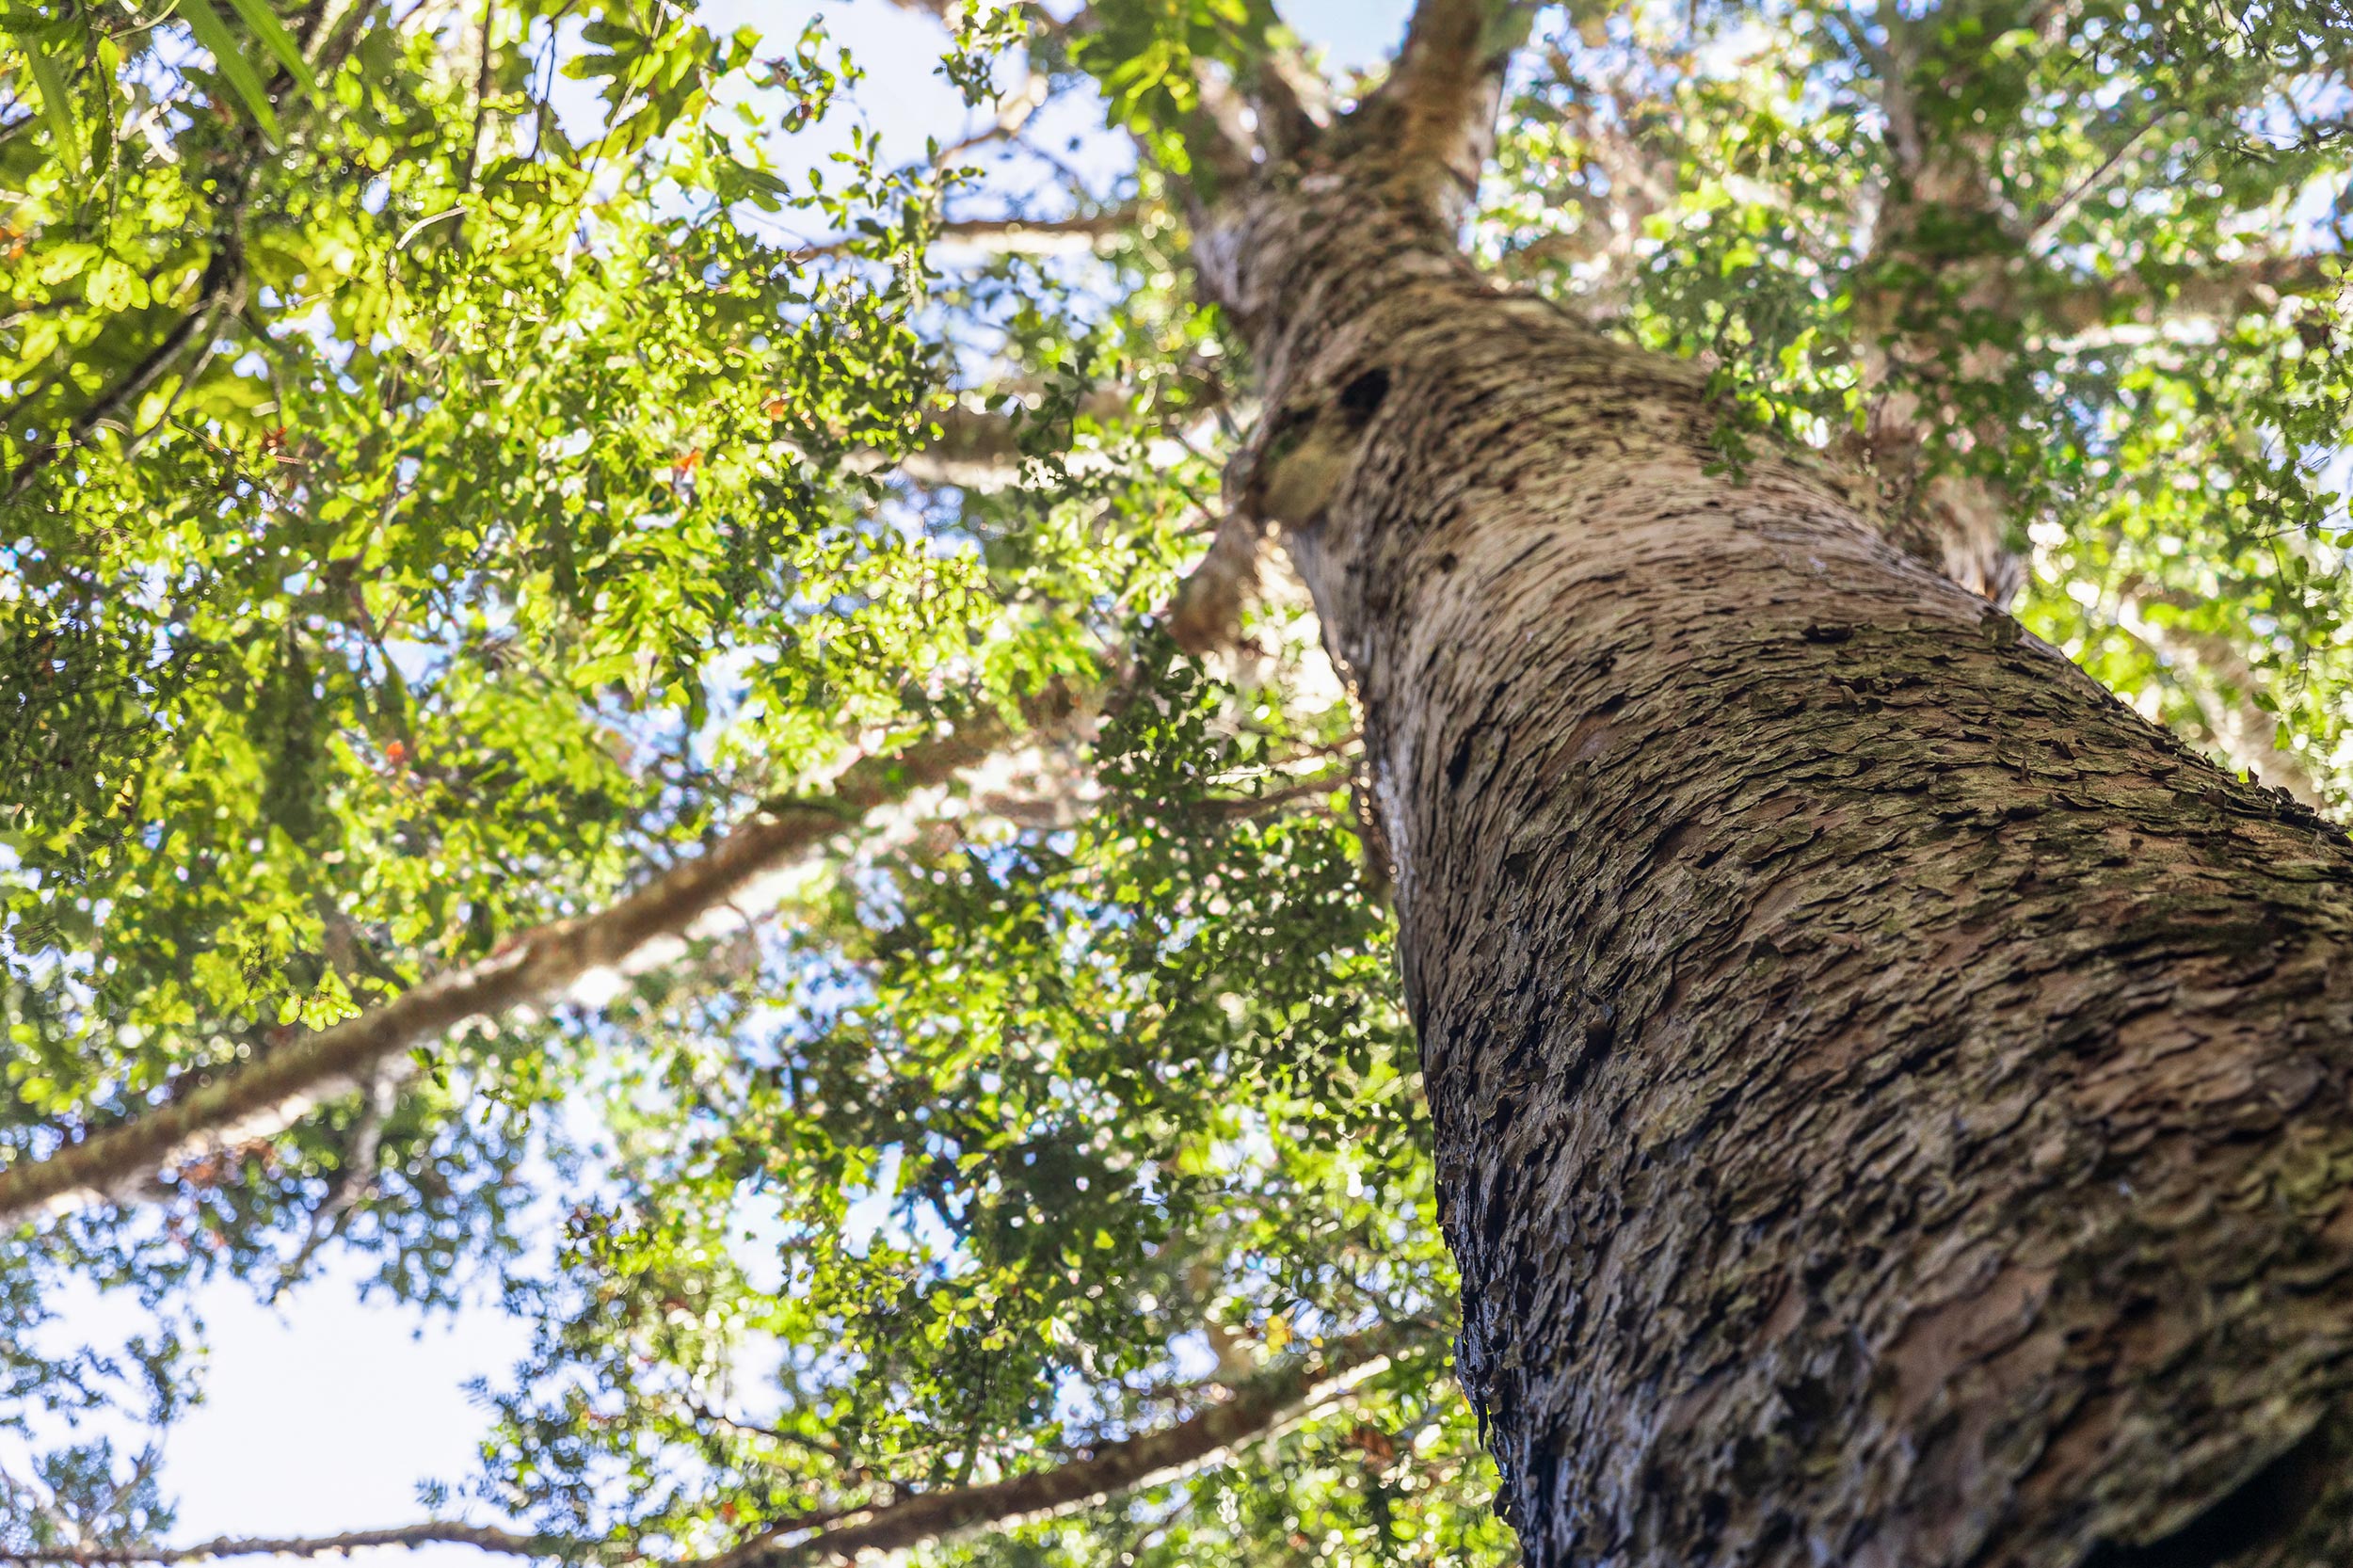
x,y
1891,1100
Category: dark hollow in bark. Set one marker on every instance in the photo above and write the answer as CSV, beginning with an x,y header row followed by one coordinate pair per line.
x,y
1892,1101
2265,1514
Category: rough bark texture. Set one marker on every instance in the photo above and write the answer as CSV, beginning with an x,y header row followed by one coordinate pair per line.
x,y
1892,1100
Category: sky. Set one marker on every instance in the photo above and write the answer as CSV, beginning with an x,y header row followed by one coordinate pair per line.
x,y
322,1414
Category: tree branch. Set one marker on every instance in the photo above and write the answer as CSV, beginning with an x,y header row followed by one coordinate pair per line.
x,y
2222,683
1208,608
221,282
257,1098
431,1533
981,450
1259,1409
1643,175
1010,236
2046,224
582,960
1432,122
481,106
1239,807
1064,236
354,1178
2220,293
1953,521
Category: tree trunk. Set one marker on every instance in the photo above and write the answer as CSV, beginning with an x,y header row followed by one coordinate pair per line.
x,y
1891,1100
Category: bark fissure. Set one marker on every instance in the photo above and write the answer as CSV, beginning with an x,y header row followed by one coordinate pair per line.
x,y
1892,1100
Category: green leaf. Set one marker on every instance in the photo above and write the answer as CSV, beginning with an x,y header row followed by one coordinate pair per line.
x,y
275,38
67,261
56,107
113,286
213,33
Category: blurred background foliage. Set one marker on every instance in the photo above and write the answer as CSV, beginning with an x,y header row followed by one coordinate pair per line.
x,y
458,458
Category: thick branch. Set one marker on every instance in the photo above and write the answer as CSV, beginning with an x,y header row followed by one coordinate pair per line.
x,y
1944,249
1259,1409
582,959
2222,292
1433,123
261,1096
2221,681
981,450
1012,236
1208,610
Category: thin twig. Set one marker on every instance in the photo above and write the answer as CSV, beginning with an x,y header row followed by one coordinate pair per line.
x,y
2039,233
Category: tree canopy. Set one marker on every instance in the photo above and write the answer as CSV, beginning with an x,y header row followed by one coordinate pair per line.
x,y
598,700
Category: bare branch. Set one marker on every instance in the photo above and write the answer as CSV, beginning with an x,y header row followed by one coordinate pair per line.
x,y
1241,807
258,1098
2046,224
806,1444
354,1178
1063,236
1014,108
431,1533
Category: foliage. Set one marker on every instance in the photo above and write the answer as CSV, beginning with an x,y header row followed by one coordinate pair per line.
x,y
2166,441
438,497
